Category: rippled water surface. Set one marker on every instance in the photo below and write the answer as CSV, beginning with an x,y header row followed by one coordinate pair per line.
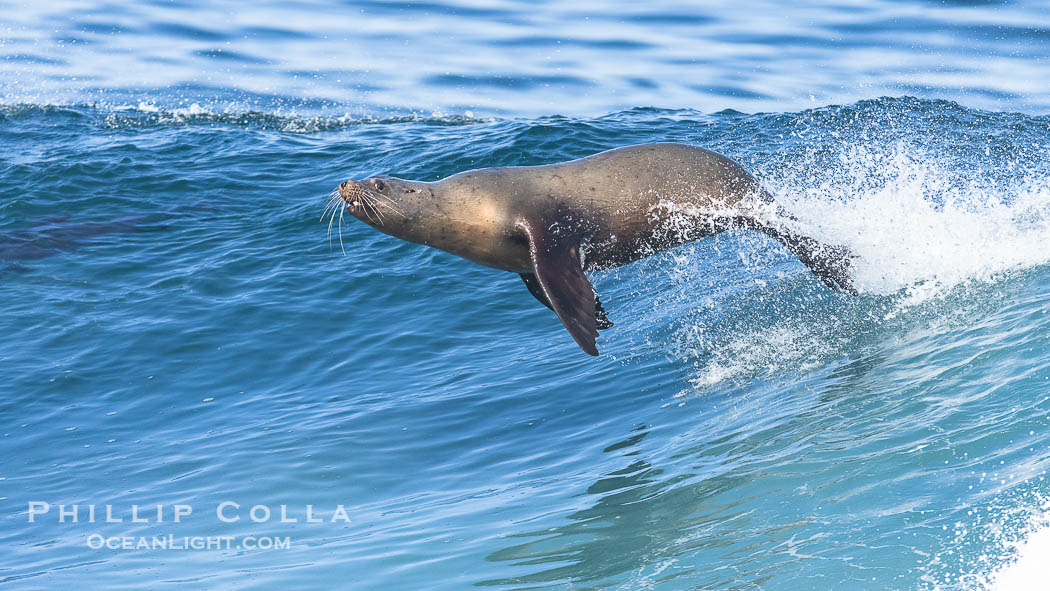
x,y
179,328
508,57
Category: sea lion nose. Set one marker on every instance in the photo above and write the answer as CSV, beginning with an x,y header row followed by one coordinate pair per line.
x,y
346,189
350,191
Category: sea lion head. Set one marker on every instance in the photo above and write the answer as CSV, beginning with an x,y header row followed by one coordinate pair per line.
x,y
406,209
457,215
380,201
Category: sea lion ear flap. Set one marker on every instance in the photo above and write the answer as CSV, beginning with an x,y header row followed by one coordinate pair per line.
x,y
559,272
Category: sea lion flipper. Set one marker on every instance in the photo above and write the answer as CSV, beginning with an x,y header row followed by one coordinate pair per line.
x,y
830,263
559,274
601,319
533,284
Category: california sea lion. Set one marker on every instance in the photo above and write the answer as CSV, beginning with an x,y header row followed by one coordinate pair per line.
x,y
551,223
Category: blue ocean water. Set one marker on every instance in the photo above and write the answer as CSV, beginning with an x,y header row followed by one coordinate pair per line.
x,y
181,330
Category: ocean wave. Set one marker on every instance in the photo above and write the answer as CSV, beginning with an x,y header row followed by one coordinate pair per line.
x,y
149,115
935,229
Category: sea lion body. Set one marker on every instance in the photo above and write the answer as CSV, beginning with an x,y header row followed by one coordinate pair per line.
x,y
550,223
615,198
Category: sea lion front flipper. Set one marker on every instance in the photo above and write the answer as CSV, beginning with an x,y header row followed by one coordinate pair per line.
x,y
601,319
533,284
559,273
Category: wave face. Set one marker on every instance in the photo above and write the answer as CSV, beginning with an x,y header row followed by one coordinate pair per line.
x,y
180,328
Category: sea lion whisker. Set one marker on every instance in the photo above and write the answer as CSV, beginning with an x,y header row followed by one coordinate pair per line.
x,y
388,203
376,211
368,202
386,199
365,208
331,220
336,204
330,216
332,200
333,204
342,210
392,208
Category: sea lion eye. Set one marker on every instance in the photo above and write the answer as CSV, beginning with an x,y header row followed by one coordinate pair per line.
x,y
378,184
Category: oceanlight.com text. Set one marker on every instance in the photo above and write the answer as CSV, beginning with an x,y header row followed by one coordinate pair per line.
x,y
173,542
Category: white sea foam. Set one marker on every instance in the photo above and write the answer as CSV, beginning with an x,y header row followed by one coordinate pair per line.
x,y
149,113
920,229
1030,570
1001,548
923,227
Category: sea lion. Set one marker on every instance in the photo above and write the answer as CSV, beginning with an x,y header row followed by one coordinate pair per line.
x,y
551,223
65,233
